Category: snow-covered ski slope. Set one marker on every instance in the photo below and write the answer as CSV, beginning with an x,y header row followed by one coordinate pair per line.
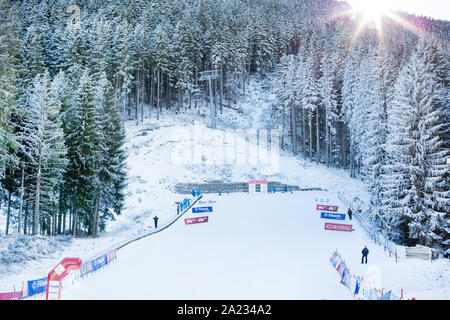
x,y
271,246
253,247
261,246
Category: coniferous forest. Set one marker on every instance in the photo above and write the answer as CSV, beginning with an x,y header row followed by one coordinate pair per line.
x,y
372,101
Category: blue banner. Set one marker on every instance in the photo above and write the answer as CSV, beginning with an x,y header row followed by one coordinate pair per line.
x,y
202,209
334,216
37,286
99,262
86,268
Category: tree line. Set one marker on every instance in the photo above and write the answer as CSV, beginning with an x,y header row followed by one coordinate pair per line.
x,y
72,71
379,108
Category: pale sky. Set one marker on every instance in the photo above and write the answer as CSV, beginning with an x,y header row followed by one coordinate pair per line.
x,y
437,9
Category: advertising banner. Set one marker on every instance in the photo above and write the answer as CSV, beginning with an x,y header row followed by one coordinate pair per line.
x,y
86,268
99,262
322,207
202,209
257,182
11,296
334,216
111,256
338,227
37,286
196,220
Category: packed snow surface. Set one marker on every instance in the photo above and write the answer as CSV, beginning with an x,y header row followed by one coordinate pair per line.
x,y
271,246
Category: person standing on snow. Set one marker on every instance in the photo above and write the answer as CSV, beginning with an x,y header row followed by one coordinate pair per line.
x,y
349,212
365,253
156,222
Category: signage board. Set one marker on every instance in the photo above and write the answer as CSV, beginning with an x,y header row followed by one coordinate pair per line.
x,y
202,209
37,286
338,227
334,216
322,207
195,220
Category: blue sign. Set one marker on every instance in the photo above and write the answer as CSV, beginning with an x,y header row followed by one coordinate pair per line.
x,y
99,262
334,216
202,209
37,286
86,268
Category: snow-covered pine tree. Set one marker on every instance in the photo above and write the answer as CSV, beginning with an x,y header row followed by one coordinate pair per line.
x,y
329,99
184,67
350,82
10,73
43,141
311,100
34,55
434,145
416,165
84,154
373,141
109,195
395,198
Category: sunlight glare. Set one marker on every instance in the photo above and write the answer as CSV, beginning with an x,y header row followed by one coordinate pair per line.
x,y
370,9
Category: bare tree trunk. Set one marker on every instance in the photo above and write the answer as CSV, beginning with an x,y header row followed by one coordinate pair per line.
x,y
158,92
55,221
327,138
283,129
310,135
180,100
352,164
293,130
243,83
19,227
25,220
141,95
150,92
303,132
96,216
1,196
138,84
8,214
196,83
221,89
343,160
317,135
64,221
38,190
168,93
74,222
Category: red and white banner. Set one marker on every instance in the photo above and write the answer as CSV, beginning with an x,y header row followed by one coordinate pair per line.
x,y
338,227
112,255
54,278
322,207
196,220
11,296
257,182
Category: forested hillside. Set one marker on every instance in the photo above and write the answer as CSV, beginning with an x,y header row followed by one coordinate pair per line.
x,y
374,102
